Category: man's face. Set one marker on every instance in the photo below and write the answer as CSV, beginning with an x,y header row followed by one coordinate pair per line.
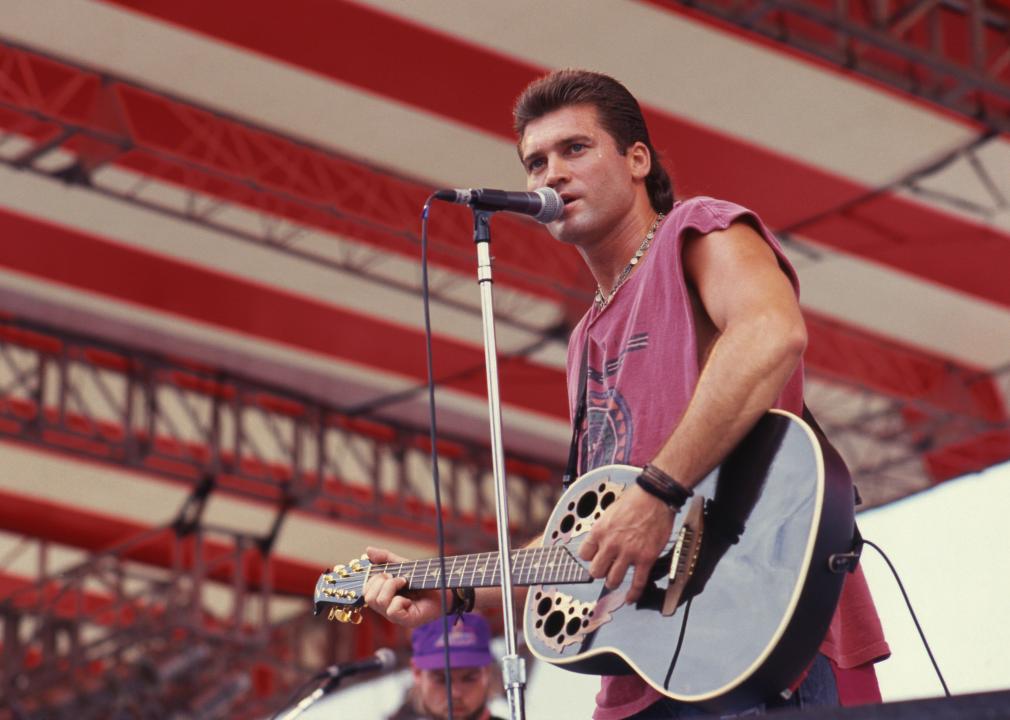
x,y
469,693
570,151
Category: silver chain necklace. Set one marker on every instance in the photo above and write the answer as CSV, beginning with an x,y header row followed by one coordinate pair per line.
x,y
600,300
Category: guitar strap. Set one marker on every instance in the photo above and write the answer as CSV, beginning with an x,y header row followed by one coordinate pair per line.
x,y
840,562
571,469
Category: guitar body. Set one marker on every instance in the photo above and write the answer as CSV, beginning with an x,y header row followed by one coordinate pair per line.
x,y
753,613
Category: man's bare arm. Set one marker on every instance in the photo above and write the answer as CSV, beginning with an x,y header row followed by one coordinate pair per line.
x,y
759,339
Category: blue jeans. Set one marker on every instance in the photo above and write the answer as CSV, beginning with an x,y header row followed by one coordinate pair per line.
x,y
817,690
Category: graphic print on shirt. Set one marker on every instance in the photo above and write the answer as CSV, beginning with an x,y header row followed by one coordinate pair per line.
x,y
608,430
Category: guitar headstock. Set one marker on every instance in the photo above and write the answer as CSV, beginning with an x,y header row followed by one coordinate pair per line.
x,y
342,588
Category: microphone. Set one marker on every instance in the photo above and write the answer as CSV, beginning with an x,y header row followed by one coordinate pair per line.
x,y
543,205
383,659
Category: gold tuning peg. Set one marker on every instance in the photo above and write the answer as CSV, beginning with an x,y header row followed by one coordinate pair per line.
x,y
364,556
355,617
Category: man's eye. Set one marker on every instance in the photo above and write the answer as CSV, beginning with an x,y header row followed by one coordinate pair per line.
x,y
535,165
576,147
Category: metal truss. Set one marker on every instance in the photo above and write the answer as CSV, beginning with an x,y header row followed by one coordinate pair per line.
x,y
955,53
112,637
98,400
72,124
166,155
895,447
184,619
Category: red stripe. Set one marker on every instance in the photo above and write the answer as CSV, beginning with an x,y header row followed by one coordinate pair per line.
x,y
889,367
225,159
794,53
137,277
73,258
97,532
363,47
710,162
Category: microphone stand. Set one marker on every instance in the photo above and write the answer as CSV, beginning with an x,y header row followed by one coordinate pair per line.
x,y
513,666
310,699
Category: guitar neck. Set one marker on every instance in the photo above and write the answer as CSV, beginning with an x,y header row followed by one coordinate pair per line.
x,y
530,566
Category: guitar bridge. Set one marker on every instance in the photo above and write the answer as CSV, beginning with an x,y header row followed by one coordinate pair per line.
x,y
685,555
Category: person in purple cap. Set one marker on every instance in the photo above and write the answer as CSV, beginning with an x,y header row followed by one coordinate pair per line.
x,y
470,663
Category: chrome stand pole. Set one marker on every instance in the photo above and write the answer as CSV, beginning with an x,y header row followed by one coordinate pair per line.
x,y
513,666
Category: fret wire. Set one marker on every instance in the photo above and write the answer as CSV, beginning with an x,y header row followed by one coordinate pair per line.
x,y
484,570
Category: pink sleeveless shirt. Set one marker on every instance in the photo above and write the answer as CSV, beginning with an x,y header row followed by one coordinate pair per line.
x,y
642,370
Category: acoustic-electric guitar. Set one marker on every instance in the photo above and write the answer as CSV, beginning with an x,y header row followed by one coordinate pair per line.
x,y
737,603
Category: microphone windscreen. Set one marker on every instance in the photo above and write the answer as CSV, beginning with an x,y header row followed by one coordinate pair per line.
x,y
553,205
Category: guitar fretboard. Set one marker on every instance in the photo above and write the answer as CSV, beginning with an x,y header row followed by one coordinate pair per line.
x,y
530,566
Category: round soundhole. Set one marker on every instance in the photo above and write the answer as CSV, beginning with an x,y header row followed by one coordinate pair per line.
x,y
573,626
587,504
544,606
554,623
607,499
567,523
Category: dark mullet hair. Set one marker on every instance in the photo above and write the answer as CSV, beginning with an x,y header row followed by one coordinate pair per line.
x,y
616,108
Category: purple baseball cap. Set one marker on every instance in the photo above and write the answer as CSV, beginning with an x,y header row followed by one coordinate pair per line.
x,y
469,640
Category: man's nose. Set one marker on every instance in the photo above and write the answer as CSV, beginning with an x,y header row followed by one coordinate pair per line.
x,y
557,172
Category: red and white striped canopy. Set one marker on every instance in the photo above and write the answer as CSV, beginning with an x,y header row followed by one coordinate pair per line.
x,y
241,182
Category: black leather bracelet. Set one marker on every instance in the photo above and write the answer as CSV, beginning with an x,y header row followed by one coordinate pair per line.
x,y
657,493
463,600
658,483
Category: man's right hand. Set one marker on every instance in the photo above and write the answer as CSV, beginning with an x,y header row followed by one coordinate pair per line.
x,y
382,594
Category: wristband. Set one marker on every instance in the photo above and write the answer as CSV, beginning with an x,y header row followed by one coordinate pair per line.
x,y
463,600
660,485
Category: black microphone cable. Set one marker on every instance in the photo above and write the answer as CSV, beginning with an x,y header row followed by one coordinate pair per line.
x,y
433,437
915,619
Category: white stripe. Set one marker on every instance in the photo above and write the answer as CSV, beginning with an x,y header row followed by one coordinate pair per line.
x,y
919,313
139,498
342,383
137,228
710,78
303,104
896,304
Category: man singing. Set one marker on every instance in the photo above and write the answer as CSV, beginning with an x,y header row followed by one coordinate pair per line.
x,y
694,333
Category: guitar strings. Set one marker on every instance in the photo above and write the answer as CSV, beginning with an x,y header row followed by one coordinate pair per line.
x,y
552,554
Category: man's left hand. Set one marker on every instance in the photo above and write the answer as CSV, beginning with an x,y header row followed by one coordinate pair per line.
x,y
633,531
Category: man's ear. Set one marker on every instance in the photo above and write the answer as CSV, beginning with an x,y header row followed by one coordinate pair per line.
x,y
639,160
